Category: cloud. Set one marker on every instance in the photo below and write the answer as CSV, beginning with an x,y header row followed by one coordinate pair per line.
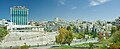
x,y
74,8
98,2
62,2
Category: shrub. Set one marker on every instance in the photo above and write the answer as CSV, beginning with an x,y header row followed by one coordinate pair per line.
x,y
25,46
34,48
91,45
115,46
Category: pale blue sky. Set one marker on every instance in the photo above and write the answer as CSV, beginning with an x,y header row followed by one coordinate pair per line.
x,y
65,9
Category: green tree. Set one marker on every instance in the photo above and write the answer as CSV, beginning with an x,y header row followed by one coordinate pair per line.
x,y
94,34
113,29
80,36
116,37
69,28
64,37
91,45
75,29
87,31
36,24
3,33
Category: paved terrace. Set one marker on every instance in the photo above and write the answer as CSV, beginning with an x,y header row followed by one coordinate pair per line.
x,y
30,38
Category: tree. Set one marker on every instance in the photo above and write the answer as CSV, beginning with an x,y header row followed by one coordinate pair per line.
x,y
64,37
69,28
116,37
94,34
118,27
36,24
3,33
75,29
113,29
100,36
107,35
91,45
80,36
87,29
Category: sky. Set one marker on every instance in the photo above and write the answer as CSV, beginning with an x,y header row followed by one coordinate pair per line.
x,y
40,10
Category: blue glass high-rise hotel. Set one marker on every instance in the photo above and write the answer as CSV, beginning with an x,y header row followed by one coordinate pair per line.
x,y
19,15
19,18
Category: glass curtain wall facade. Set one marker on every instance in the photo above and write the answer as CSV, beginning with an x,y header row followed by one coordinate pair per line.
x,y
19,15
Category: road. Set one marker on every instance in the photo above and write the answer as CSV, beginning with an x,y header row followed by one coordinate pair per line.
x,y
74,43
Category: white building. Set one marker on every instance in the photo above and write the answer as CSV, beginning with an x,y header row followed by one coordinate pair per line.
x,y
25,28
4,22
117,22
